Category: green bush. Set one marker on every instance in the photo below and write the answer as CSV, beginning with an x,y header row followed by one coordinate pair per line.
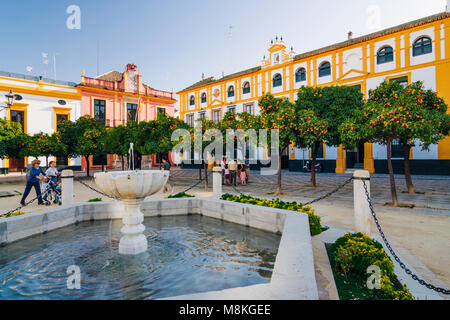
x,y
354,253
95,200
14,214
180,195
314,220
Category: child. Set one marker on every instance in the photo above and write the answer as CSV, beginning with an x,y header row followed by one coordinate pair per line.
x,y
243,177
227,174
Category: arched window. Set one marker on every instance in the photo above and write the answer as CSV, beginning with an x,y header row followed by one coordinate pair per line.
x,y
422,46
385,55
324,69
230,91
300,75
192,101
277,80
203,97
246,88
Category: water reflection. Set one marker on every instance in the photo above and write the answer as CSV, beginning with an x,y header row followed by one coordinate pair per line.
x,y
186,254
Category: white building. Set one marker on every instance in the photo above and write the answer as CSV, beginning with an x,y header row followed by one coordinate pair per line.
x,y
41,105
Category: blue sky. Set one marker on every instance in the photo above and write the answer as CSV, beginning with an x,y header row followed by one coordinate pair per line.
x,y
173,42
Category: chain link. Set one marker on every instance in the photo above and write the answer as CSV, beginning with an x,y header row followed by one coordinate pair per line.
x,y
93,189
7,214
195,184
402,265
329,193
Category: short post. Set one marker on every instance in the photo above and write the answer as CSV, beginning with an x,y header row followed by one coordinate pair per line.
x,y
217,182
67,187
361,205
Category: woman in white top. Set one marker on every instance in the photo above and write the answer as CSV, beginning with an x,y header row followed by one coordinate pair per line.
x,y
52,172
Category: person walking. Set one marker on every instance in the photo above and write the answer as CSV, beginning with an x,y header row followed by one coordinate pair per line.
x,y
232,166
247,169
166,167
222,166
36,174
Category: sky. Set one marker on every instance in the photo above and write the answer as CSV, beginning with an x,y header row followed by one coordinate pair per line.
x,y
174,42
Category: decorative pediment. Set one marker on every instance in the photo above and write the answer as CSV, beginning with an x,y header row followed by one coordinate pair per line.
x,y
352,74
216,102
277,54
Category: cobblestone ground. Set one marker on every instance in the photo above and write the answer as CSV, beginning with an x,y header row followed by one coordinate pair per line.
x,y
432,192
422,230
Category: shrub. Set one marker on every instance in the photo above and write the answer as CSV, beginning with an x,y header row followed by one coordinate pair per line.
x,y
354,253
314,220
180,195
17,213
95,200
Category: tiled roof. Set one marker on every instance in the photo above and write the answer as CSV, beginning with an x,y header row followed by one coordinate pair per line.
x,y
212,80
401,27
111,76
384,32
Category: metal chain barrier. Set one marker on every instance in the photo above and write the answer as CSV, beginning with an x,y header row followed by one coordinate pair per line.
x,y
10,212
402,265
329,193
93,189
195,184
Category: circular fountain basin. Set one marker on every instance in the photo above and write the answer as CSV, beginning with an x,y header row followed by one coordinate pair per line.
x,y
132,187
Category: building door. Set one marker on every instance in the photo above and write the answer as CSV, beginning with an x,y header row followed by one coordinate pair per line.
x,y
17,164
354,158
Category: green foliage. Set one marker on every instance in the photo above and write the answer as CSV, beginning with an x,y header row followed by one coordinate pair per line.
x,y
180,195
352,254
12,139
95,200
314,220
15,214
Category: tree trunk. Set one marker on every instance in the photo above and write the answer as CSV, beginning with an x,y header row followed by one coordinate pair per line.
x,y
206,175
46,161
123,163
200,173
313,164
87,164
391,175
408,179
278,189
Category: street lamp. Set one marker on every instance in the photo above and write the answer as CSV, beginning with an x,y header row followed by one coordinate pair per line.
x,y
10,98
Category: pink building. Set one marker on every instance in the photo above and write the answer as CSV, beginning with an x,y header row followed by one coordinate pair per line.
x,y
115,98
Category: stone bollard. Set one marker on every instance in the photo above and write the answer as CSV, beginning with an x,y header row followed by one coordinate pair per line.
x,y
361,212
217,182
67,187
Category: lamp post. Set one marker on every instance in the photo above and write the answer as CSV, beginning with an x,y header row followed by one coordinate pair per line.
x,y
10,97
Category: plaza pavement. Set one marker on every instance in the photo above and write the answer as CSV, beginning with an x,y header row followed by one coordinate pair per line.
x,y
423,230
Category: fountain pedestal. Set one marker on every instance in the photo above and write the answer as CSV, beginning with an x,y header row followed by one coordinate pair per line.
x,y
132,187
133,240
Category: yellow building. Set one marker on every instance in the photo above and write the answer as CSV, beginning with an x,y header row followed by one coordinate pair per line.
x,y
418,50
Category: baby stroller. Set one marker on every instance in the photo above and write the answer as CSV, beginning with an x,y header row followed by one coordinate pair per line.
x,y
52,192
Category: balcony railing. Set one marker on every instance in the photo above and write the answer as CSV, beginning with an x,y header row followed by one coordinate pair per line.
x,y
109,85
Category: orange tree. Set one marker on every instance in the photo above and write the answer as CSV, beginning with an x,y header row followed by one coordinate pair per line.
x,y
43,144
331,106
12,139
276,114
397,113
118,139
422,120
92,143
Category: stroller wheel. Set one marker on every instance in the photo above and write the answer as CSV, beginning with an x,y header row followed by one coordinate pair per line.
x,y
60,203
55,201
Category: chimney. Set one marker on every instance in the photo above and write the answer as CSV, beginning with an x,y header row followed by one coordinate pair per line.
x,y
447,8
203,76
350,34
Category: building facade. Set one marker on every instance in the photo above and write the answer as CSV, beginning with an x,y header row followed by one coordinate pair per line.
x,y
418,50
117,97
41,105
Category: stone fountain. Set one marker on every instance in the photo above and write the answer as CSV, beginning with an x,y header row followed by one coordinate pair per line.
x,y
131,187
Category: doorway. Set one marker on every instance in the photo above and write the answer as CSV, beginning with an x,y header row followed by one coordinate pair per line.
x,y
354,158
17,164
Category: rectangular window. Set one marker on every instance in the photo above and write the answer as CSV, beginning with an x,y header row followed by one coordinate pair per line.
x,y
100,111
249,108
404,81
19,117
396,149
232,109
60,118
99,160
203,99
319,153
202,115
132,112
217,115
246,90
190,120
161,110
